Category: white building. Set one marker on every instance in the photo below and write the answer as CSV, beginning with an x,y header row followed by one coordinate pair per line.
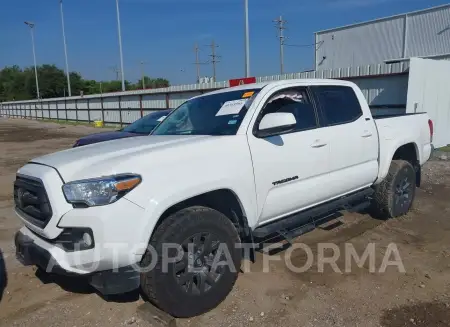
x,y
424,33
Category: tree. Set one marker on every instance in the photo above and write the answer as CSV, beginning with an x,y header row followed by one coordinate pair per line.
x,y
52,81
151,83
20,84
12,84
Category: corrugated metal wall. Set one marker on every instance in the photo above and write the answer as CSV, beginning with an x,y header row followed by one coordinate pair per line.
x,y
385,91
365,44
423,33
428,33
381,84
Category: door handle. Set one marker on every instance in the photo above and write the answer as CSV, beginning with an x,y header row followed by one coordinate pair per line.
x,y
366,134
318,144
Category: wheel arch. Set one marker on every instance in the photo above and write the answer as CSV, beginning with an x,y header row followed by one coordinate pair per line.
x,y
224,200
408,151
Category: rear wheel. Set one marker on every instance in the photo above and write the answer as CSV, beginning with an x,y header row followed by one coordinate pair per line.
x,y
204,272
394,196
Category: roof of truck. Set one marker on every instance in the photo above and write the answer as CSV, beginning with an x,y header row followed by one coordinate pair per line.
x,y
314,81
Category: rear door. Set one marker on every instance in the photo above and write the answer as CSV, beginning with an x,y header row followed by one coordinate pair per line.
x,y
354,141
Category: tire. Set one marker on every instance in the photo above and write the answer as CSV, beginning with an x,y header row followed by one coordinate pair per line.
x,y
395,195
167,290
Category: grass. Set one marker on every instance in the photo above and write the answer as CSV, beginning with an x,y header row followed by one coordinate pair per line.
x,y
444,148
77,123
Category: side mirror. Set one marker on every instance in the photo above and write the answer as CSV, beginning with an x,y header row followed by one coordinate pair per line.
x,y
276,123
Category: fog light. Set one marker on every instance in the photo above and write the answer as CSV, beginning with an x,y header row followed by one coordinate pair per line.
x,y
87,239
75,239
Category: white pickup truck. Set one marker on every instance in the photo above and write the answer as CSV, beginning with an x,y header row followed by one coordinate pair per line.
x,y
237,165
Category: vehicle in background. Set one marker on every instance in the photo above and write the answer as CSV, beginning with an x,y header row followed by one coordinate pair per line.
x,y
140,127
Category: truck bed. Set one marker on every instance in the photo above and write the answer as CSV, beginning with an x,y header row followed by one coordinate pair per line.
x,y
380,116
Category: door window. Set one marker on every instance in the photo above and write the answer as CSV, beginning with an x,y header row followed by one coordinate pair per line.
x,y
295,101
339,104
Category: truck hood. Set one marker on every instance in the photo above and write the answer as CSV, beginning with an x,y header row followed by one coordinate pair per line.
x,y
109,158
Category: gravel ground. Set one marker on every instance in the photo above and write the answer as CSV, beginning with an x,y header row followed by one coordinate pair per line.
x,y
360,297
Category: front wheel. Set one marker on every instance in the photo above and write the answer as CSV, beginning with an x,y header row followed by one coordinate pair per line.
x,y
394,196
203,265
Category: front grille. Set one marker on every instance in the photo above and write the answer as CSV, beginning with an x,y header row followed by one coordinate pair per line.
x,y
31,200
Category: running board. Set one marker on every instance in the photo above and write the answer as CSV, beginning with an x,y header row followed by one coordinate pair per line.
x,y
306,221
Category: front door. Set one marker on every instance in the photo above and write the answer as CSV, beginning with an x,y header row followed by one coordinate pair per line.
x,y
290,169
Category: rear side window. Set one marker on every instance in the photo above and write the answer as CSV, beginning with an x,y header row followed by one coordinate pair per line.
x,y
339,104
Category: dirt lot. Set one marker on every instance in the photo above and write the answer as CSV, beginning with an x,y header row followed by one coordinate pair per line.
x,y
417,297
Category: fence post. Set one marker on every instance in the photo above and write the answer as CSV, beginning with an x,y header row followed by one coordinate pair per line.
x,y
120,112
35,111
88,109
140,105
103,110
65,107
167,100
76,110
25,111
49,115
57,110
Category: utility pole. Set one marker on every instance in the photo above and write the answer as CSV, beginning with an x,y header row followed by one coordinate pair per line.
x,y
65,47
143,74
116,71
280,26
31,26
197,61
214,58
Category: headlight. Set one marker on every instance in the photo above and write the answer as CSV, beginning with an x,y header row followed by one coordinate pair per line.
x,y
100,191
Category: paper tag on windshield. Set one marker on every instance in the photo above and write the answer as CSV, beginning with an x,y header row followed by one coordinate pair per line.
x,y
231,107
162,118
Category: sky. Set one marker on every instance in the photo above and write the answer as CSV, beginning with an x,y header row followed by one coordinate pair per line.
x,y
162,34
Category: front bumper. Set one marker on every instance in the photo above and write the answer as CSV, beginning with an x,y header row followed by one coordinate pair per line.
x,y
107,282
30,254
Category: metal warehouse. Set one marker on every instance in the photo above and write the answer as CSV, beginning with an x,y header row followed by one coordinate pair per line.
x,y
424,33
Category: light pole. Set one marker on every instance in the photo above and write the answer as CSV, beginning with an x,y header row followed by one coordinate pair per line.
x,y
65,48
120,45
143,74
31,26
247,42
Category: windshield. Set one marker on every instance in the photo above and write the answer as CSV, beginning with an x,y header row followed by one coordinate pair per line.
x,y
215,114
146,124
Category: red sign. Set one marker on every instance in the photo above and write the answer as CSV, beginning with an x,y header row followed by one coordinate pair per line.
x,y
242,81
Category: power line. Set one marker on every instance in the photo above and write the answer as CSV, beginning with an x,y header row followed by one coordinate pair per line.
x,y
214,58
317,45
116,71
280,26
